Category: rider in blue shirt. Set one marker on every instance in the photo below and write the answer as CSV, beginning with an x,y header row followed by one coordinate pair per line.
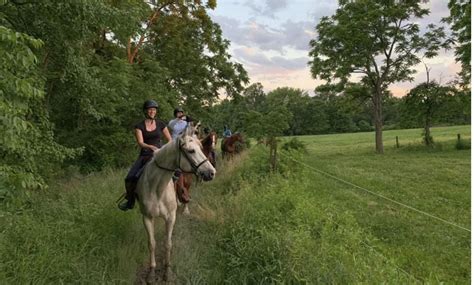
x,y
227,132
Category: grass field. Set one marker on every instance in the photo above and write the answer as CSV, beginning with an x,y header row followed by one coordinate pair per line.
x,y
251,226
436,181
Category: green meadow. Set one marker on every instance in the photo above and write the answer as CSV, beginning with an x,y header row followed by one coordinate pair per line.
x,y
306,223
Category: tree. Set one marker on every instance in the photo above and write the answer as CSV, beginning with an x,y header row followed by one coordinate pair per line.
x,y
376,38
195,54
460,20
425,101
182,9
92,92
28,148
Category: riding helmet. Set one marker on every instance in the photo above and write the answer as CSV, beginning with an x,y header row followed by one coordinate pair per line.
x,y
150,104
178,109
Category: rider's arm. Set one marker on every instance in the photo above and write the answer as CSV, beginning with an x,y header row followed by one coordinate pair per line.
x,y
139,138
167,134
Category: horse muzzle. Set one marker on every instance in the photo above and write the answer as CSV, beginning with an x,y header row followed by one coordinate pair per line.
x,y
208,175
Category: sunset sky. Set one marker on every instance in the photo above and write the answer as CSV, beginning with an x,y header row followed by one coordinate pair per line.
x,y
271,39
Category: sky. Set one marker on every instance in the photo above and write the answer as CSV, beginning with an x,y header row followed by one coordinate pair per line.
x,y
270,38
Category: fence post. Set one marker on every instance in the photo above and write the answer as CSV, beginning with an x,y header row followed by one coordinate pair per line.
x,y
398,145
459,138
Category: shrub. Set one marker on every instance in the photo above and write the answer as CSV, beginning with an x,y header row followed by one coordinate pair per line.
x,y
294,144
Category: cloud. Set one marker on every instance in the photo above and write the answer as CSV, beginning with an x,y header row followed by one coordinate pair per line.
x,y
269,7
259,62
290,34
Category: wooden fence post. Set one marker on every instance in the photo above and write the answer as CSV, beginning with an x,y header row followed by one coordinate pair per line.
x,y
459,138
398,145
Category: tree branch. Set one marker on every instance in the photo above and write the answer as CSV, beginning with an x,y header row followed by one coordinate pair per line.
x,y
132,54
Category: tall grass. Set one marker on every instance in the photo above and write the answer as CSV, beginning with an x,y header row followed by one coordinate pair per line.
x,y
72,233
252,226
298,226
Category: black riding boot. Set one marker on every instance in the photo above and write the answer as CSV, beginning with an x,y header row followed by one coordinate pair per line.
x,y
130,197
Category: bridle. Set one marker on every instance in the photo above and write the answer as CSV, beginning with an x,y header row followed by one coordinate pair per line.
x,y
194,167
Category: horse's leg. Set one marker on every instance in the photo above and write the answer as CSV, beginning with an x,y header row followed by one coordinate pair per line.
x,y
186,210
188,181
149,226
169,243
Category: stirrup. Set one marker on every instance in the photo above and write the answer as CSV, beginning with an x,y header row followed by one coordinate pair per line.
x,y
126,205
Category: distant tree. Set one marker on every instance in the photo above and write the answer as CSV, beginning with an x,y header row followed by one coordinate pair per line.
x,y
460,20
296,101
425,102
254,97
376,38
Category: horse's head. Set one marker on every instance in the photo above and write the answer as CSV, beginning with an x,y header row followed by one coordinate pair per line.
x,y
193,159
238,137
213,137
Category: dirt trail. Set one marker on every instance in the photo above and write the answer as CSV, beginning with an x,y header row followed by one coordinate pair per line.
x,y
182,236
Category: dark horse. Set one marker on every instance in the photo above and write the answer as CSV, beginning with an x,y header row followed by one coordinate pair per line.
x,y
184,183
209,147
228,145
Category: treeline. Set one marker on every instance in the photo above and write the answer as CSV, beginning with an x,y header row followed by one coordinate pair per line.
x,y
74,76
289,111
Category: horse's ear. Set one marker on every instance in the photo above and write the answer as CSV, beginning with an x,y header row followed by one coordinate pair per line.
x,y
189,131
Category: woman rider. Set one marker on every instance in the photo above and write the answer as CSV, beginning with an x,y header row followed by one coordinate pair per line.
x,y
148,134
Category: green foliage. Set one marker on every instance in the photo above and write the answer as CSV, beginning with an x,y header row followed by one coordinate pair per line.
x,y
70,233
424,102
460,20
378,39
294,144
29,151
258,226
94,94
330,232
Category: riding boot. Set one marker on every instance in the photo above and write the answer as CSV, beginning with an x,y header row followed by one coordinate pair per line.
x,y
130,196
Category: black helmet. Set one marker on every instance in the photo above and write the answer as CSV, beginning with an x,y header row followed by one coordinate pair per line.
x,y
150,104
178,109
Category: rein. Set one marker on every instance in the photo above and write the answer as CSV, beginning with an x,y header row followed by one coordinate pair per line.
x,y
193,166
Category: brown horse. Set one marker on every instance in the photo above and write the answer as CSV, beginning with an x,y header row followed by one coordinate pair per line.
x,y
228,145
209,147
184,183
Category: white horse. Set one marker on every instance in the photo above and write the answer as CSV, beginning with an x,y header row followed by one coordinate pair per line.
x,y
155,189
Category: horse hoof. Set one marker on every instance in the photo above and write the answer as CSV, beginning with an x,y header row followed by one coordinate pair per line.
x,y
150,279
167,273
186,211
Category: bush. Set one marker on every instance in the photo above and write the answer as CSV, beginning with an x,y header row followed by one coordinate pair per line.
x,y
294,144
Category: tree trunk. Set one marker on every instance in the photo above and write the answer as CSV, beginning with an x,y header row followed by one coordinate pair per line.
x,y
273,153
427,132
378,120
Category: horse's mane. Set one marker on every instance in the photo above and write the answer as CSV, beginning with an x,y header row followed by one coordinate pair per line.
x,y
172,144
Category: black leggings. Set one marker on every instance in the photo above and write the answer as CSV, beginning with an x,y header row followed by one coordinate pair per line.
x,y
134,173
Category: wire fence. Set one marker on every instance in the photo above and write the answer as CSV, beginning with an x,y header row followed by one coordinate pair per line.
x,y
378,195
